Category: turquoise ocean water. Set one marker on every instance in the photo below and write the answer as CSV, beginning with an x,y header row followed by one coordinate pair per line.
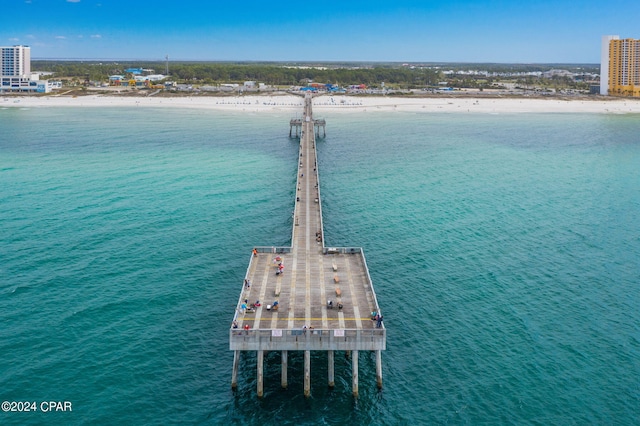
x,y
504,250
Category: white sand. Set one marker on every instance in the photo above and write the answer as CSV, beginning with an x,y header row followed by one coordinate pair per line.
x,y
331,104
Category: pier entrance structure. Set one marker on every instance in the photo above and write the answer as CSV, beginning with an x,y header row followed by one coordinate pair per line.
x,y
297,124
311,297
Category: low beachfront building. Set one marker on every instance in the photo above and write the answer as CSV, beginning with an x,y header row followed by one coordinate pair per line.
x,y
116,80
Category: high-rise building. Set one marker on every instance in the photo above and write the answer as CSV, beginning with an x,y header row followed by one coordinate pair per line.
x,y
15,61
15,71
620,66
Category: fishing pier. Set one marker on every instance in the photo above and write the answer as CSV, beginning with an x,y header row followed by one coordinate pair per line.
x,y
312,297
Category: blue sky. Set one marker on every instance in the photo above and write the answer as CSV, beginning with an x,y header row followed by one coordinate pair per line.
x,y
521,31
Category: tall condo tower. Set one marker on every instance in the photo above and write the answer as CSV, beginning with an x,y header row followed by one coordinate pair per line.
x,y
620,66
604,63
15,61
15,71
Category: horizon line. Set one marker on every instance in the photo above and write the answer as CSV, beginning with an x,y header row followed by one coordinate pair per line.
x,y
314,61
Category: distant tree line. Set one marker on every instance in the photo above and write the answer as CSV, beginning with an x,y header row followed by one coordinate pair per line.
x,y
373,75
279,75
524,82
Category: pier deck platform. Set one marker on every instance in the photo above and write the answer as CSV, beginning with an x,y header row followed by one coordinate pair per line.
x,y
325,296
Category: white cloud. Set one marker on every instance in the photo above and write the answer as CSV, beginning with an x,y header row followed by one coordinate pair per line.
x,y
14,39
61,37
73,1
30,36
96,36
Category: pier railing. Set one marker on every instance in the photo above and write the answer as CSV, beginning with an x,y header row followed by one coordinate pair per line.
x,y
310,339
342,250
271,249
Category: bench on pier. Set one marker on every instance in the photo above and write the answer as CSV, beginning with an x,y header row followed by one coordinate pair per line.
x,y
338,292
336,279
334,266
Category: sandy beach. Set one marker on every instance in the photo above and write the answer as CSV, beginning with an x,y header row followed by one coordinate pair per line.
x,y
338,103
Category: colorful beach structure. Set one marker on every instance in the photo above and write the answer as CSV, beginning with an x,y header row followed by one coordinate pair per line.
x,y
307,297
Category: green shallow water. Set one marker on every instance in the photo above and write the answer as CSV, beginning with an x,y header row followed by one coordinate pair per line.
x,y
503,248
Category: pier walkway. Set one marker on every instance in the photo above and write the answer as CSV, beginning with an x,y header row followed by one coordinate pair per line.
x,y
322,300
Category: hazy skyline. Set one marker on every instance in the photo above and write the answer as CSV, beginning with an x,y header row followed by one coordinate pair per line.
x,y
543,31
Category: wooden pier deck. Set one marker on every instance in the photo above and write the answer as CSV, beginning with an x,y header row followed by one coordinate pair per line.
x,y
325,297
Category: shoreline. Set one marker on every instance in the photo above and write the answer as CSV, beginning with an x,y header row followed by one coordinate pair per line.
x,y
337,103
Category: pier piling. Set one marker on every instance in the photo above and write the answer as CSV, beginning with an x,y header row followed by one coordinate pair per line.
x,y
354,372
283,373
331,368
307,373
260,381
234,373
379,369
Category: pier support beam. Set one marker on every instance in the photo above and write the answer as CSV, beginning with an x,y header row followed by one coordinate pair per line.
x,y
283,374
234,371
354,372
331,368
379,368
260,380
307,374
